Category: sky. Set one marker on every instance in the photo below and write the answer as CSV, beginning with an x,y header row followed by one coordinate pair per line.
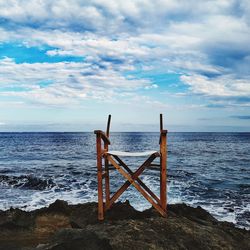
x,y
66,65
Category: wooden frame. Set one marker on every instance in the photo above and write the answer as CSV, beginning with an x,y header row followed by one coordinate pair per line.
x,y
132,178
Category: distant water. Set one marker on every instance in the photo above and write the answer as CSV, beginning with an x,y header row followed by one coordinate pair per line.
x,y
207,169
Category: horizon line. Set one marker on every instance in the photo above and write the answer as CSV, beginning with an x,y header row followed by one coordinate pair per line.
x,y
125,132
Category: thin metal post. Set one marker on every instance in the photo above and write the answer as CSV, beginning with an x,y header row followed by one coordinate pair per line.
x,y
108,125
161,123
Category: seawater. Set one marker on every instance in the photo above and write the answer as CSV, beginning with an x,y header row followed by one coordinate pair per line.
x,y
211,170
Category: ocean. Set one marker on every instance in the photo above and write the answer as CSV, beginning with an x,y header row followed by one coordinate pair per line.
x,y
211,170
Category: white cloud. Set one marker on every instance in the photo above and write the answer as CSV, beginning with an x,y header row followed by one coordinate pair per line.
x,y
71,81
167,36
224,86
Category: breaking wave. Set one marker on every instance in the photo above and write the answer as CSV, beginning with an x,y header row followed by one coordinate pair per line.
x,y
26,182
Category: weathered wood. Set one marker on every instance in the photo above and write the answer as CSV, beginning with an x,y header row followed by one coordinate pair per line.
x,y
107,184
106,163
164,131
138,179
163,174
134,176
99,176
137,186
103,136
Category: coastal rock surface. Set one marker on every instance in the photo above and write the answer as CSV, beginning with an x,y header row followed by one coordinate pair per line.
x,y
62,226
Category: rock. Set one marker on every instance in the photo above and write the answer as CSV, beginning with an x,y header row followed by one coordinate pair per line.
x,y
47,224
195,214
62,226
15,219
80,239
59,206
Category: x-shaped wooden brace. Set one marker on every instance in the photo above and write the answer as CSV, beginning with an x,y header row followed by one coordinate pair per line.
x,y
132,177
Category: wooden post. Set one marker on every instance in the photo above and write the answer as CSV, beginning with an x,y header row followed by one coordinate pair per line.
x,y
107,185
163,174
99,176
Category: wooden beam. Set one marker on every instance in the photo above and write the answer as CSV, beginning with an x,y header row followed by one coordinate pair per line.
x,y
103,136
163,132
106,164
138,179
107,184
163,173
99,176
137,186
120,191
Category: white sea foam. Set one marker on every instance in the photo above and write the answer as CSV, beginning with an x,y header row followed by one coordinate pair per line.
x,y
197,171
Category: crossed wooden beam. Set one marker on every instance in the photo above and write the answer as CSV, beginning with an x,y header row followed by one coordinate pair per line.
x,y
132,178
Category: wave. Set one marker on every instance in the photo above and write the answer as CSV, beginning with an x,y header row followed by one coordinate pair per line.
x,y
26,182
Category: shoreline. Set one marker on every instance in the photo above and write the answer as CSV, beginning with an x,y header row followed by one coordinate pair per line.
x,y
64,226
25,208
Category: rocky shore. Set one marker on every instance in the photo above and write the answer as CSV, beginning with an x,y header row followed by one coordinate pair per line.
x,y
62,226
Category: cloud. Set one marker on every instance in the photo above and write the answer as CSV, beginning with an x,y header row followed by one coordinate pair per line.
x,y
66,81
223,86
241,117
208,45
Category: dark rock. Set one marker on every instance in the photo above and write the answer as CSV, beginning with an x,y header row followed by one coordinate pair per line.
x,y
26,182
196,214
37,184
123,211
59,206
62,226
10,225
15,219
78,239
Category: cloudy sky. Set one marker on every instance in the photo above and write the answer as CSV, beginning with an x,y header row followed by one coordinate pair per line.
x,y
65,65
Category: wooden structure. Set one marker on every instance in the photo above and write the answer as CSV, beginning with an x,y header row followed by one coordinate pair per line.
x,y
107,160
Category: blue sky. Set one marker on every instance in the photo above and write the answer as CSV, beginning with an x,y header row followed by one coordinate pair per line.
x,y
65,65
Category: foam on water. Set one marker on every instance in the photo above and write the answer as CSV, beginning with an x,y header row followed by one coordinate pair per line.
x,y
210,170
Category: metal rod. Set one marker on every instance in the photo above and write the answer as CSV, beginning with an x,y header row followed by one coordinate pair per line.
x,y
108,125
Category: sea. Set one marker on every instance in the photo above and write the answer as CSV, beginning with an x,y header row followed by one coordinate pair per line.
x,y
211,170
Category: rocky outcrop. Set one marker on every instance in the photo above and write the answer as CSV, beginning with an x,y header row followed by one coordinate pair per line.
x,y
62,226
